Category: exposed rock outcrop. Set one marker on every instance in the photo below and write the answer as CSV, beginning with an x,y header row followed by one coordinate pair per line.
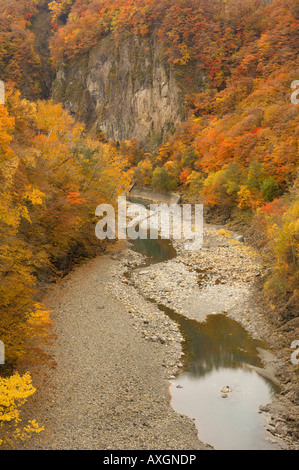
x,y
127,91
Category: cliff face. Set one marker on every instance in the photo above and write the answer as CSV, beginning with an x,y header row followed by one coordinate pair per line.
x,y
126,92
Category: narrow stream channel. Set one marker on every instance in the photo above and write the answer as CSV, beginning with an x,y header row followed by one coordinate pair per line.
x,y
217,353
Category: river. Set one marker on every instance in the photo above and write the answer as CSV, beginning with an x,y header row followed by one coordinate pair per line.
x,y
218,354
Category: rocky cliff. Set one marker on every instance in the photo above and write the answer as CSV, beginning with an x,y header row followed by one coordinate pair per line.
x,y
128,91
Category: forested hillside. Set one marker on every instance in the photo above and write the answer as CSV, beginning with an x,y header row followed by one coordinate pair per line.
x,y
232,141
235,62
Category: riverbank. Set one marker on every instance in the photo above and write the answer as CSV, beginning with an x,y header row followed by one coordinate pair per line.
x,y
109,389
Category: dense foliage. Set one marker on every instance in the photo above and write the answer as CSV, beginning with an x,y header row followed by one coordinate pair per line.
x,y
238,151
20,62
52,179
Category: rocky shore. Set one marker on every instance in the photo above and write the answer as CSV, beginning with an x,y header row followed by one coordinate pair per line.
x,y
222,278
116,351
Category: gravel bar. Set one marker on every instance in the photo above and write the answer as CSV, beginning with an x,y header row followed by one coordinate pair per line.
x,y
110,387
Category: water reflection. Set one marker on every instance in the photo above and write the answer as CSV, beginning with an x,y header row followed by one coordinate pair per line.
x,y
219,342
156,251
231,423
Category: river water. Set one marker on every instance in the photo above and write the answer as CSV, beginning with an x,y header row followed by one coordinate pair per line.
x,y
217,353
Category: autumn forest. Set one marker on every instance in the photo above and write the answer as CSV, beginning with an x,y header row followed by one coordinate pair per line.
x,y
235,148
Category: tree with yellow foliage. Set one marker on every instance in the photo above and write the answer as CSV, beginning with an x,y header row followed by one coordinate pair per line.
x,y
14,392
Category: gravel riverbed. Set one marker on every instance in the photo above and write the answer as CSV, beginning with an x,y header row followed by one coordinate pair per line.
x,y
116,351
109,389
